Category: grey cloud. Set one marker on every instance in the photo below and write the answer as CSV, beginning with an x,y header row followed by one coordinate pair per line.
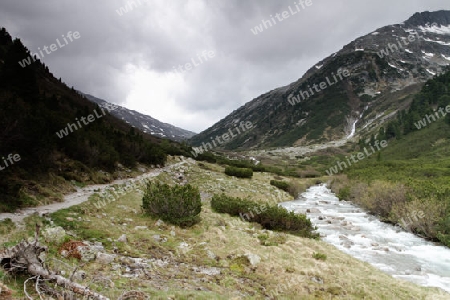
x,y
159,34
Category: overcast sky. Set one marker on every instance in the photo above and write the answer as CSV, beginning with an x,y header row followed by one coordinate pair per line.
x,y
129,58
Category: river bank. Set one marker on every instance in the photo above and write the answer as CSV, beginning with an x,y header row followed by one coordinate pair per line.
x,y
389,248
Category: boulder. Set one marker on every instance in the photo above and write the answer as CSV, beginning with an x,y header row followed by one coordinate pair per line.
x,y
211,254
253,258
159,223
87,253
140,228
54,235
79,275
184,247
123,238
104,258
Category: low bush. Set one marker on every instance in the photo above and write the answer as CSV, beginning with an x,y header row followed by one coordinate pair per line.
x,y
239,172
238,163
272,240
293,188
381,196
310,174
282,185
344,193
319,256
270,217
179,205
233,206
207,156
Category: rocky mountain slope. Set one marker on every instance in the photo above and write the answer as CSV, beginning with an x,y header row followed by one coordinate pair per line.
x,y
353,91
143,122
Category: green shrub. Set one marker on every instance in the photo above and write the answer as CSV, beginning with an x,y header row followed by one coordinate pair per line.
x,y
272,240
319,256
240,164
344,193
282,185
293,188
233,206
206,156
239,172
258,168
270,217
179,205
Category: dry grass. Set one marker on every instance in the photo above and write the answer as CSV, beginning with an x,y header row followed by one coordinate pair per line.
x,y
286,271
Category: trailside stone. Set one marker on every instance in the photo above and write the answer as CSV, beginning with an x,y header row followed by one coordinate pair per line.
x,y
54,235
253,258
104,258
123,238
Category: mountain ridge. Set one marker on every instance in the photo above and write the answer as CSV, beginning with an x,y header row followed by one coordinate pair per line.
x,y
377,87
144,123
42,124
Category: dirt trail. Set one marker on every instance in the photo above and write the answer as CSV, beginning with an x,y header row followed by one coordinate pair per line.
x,y
80,196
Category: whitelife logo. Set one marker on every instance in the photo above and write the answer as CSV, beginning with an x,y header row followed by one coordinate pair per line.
x,y
201,59
360,156
226,138
53,47
406,41
129,7
412,217
323,85
65,132
431,118
11,158
266,24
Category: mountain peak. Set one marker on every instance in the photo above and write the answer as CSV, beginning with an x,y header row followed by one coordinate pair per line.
x,y
387,67
143,122
440,17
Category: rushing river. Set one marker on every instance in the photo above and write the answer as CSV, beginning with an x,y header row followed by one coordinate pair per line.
x,y
394,251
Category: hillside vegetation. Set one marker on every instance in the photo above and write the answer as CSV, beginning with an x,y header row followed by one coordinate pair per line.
x,y
34,107
221,257
413,173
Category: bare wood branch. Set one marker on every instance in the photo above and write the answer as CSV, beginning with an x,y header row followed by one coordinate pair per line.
x,y
37,287
74,270
133,294
52,292
62,262
25,288
25,257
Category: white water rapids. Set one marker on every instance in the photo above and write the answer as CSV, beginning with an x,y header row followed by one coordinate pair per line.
x,y
353,231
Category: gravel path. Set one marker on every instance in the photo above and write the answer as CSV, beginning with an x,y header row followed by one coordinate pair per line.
x,y
80,196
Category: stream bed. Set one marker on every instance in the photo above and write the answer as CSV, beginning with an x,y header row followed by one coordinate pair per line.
x,y
387,247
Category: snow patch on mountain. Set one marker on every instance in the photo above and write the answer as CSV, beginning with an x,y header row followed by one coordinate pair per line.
x,y
143,122
445,30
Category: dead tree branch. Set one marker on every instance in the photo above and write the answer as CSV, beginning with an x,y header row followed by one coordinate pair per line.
x,y
24,258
